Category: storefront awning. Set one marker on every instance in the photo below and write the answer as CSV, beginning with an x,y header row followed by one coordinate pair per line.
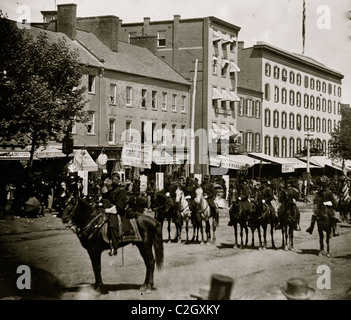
x,y
322,161
50,151
82,161
287,166
233,67
14,155
235,162
216,94
298,164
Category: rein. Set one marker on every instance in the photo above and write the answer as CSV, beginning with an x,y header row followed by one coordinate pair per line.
x,y
90,227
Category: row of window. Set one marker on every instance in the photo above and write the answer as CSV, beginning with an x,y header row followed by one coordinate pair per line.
x,y
295,121
282,149
177,135
225,66
161,37
295,98
309,82
144,102
249,108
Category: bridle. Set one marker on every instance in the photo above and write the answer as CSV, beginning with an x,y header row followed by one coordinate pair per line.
x,y
89,228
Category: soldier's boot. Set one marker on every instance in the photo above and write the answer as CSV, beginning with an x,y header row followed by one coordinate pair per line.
x,y
310,228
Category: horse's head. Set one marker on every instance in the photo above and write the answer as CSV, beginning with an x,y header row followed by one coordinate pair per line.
x,y
70,210
179,194
199,192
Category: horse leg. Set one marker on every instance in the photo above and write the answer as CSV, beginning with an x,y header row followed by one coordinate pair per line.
x,y
235,234
291,237
95,257
264,227
327,238
272,231
214,226
187,231
252,236
149,260
241,236
259,237
208,232
321,241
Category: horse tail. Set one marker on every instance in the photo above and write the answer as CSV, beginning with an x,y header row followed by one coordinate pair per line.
x,y
158,246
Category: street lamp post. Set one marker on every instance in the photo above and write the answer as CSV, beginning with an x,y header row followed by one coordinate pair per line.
x,y
308,135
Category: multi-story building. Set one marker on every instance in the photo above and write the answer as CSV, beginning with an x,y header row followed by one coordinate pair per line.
x,y
133,95
302,98
249,120
202,50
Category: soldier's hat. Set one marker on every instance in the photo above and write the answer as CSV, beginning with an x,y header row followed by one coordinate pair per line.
x,y
206,176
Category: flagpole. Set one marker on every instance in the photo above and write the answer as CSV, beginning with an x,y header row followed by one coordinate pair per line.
x,y
303,26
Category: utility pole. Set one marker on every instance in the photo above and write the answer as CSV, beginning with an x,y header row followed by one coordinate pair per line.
x,y
308,135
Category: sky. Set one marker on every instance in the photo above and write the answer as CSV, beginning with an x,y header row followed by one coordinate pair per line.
x,y
277,22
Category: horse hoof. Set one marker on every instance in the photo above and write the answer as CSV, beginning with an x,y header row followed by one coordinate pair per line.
x,y
202,243
328,255
235,246
145,288
321,253
291,248
208,243
264,248
259,248
286,248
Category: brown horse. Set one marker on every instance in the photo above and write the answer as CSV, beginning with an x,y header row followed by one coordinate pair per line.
x,y
90,225
238,215
324,223
288,219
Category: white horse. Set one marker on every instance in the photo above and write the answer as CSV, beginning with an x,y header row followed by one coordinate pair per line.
x,y
205,214
185,212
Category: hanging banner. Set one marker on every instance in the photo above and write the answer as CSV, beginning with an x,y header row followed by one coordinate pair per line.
x,y
137,155
288,167
159,181
143,183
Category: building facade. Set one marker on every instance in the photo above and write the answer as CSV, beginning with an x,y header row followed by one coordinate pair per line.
x,y
249,120
301,102
204,51
133,95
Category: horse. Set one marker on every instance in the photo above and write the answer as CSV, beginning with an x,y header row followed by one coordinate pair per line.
x,y
287,218
262,217
204,212
238,215
165,209
324,223
90,227
184,211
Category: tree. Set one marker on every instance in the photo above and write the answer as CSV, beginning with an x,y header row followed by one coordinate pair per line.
x,y
40,92
340,144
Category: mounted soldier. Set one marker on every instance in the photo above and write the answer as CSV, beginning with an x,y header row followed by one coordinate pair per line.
x,y
295,196
324,197
244,193
189,192
118,198
209,194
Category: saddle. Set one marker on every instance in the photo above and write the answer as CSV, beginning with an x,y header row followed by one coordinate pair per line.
x,y
128,230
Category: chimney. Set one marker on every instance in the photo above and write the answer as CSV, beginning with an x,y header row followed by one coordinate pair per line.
x,y
176,41
67,19
148,42
108,31
241,45
146,28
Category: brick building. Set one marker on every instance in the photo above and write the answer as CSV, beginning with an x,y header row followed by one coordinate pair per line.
x,y
131,91
212,43
302,98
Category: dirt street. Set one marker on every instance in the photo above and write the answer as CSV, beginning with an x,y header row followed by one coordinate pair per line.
x,y
61,268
